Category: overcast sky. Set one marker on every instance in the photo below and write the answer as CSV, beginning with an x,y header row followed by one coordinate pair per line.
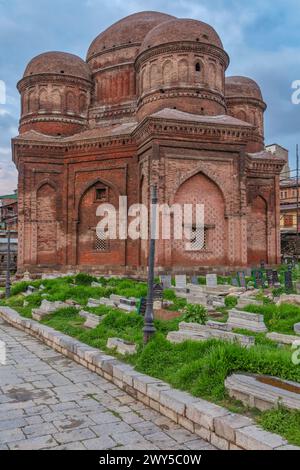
x,y
262,38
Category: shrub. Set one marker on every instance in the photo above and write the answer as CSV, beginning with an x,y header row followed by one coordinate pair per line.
x,y
84,279
231,301
169,294
195,314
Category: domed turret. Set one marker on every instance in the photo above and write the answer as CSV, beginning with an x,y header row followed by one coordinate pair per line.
x,y
111,58
182,65
245,101
56,89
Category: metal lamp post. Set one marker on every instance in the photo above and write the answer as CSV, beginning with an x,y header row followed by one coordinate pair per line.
x,y
149,328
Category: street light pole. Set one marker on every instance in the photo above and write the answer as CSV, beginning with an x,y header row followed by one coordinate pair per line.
x,y
149,328
7,286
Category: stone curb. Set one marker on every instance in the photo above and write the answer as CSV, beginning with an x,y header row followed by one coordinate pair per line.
x,y
213,423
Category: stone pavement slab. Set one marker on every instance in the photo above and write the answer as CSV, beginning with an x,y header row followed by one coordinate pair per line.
x,y
50,402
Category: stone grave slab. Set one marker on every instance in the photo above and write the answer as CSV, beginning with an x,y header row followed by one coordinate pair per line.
x,y
242,279
92,321
46,308
197,332
211,280
288,280
218,325
297,328
244,301
263,392
282,338
166,281
247,321
180,281
123,347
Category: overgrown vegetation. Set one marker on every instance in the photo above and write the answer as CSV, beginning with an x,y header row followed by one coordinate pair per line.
x,y
194,314
197,367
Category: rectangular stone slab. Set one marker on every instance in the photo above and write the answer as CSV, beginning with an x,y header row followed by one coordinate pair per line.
x,y
247,321
262,395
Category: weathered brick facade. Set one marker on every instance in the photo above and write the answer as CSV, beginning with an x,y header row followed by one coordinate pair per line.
x,y
150,105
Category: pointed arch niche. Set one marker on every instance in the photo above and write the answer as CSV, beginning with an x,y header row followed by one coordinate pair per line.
x,y
200,189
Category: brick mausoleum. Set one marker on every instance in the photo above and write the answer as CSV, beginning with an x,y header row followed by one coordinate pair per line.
x,y
151,104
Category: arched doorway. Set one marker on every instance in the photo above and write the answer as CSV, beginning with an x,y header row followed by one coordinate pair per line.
x,y
91,249
257,231
200,189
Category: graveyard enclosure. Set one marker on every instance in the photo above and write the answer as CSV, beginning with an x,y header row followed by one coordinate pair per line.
x,y
146,107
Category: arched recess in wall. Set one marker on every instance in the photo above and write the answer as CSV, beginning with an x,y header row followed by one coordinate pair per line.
x,y
71,103
183,71
212,75
168,72
56,100
198,70
46,203
82,104
43,100
257,231
154,76
91,249
202,190
31,103
241,115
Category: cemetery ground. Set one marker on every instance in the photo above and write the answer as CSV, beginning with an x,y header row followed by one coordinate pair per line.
x,y
199,368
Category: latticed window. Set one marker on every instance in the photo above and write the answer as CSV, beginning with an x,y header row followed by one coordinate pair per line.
x,y
101,243
198,239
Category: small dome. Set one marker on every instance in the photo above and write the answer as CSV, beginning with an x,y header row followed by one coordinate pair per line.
x,y
131,29
59,63
237,87
181,29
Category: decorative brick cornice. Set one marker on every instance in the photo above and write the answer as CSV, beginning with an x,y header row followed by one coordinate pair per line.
x,y
182,92
53,118
46,78
192,130
239,100
264,166
178,47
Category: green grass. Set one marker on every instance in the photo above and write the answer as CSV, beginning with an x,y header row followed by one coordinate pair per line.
x,y
280,319
196,367
284,422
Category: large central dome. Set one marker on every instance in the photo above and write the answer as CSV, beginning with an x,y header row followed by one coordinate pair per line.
x,y
130,30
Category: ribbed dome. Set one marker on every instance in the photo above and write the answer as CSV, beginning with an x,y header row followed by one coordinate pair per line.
x,y
176,30
237,87
60,63
130,30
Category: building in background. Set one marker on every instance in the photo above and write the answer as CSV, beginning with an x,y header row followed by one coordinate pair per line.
x,y
8,216
150,105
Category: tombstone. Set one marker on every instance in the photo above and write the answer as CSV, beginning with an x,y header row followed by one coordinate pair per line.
x,y
166,281
262,265
257,278
288,280
242,279
142,306
157,292
269,274
246,321
194,280
276,281
91,320
211,280
234,282
180,281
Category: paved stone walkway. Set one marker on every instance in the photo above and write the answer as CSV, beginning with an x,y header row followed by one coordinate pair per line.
x,y
49,401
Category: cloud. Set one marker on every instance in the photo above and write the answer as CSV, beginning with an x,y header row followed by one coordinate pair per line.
x,y
261,37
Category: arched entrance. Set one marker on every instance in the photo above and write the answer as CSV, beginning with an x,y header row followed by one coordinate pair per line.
x,y
200,189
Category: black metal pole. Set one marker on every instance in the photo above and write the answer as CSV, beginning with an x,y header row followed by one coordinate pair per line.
x,y
7,287
149,328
